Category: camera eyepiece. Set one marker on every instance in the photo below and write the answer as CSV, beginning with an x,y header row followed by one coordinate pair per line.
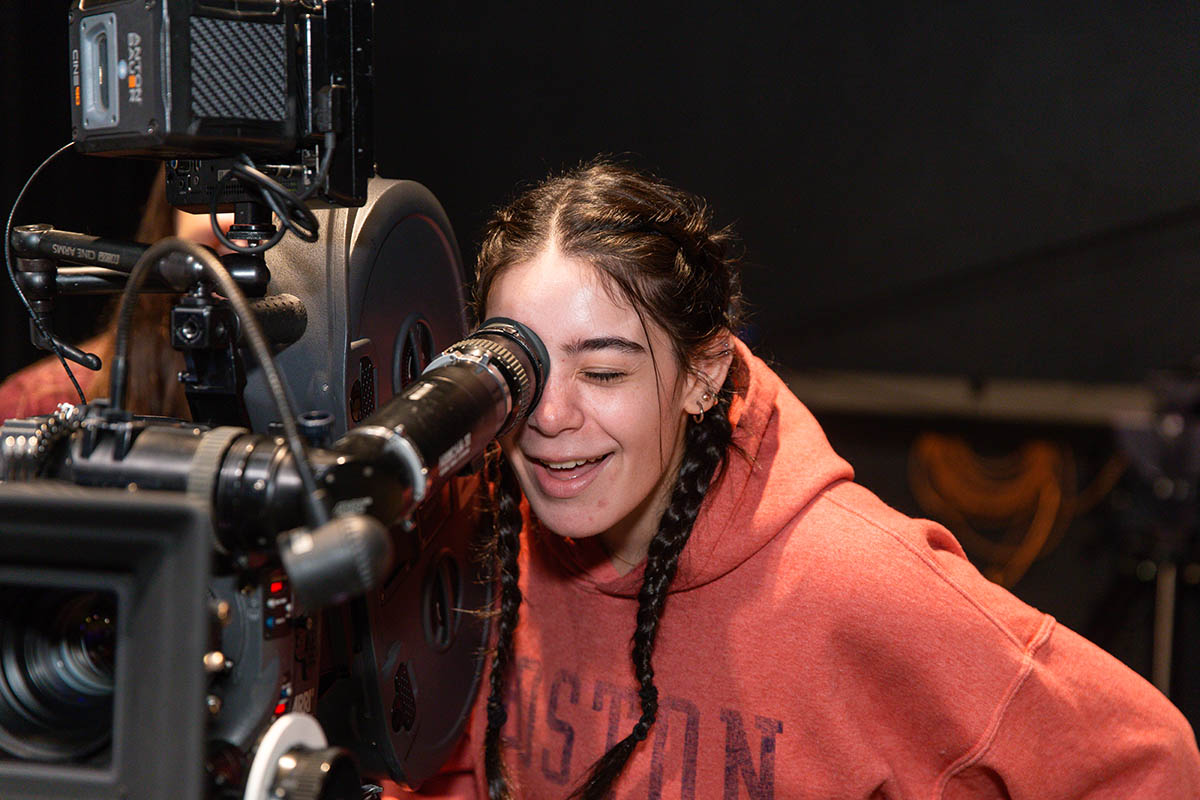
x,y
523,367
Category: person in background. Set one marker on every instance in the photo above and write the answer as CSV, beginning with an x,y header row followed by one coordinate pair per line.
x,y
154,388
696,600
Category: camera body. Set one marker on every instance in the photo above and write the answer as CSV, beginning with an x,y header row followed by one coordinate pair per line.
x,y
153,638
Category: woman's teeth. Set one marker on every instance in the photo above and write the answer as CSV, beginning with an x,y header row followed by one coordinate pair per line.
x,y
569,464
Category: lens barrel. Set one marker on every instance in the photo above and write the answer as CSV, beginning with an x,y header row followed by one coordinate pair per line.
x,y
57,672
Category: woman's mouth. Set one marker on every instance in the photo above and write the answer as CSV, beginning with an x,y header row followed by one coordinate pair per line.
x,y
566,478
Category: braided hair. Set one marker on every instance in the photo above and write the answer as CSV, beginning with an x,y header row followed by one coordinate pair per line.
x,y
503,548
656,247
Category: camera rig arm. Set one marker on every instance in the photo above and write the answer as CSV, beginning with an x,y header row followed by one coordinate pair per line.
x,y
52,262
108,262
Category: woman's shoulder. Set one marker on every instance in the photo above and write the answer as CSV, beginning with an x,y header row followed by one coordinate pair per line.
x,y
41,386
36,389
905,615
892,570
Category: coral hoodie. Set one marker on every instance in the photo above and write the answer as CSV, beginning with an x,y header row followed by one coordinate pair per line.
x,y
38,388
818,644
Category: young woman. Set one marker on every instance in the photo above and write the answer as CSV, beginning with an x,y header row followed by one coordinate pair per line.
x,y
698,601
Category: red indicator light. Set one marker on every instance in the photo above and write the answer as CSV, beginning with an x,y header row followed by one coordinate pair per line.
x,y
276,586
280,709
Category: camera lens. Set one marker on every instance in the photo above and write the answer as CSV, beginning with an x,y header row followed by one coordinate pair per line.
x,y
57,668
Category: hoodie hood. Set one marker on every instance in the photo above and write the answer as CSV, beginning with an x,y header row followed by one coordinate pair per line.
x,y
784,463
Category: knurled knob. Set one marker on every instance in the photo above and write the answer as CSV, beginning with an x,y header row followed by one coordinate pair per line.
x,y
329,774
512,368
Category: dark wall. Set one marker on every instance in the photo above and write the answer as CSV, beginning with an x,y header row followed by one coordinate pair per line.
x,y
101,196
996,188
992,188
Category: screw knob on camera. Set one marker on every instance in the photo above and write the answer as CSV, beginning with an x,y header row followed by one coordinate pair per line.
x,y
328,774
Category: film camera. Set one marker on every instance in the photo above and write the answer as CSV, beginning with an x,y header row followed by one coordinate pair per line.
x,y
253,603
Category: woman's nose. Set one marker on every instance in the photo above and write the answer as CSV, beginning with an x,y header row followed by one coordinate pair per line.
x,y
558,410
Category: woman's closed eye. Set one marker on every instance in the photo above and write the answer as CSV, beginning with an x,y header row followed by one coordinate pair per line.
x,y
603,376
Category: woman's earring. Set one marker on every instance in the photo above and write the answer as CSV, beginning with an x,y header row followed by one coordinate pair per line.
x,y
703,407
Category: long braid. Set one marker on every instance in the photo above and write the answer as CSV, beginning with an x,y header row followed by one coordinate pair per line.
x,y
704,453
507,523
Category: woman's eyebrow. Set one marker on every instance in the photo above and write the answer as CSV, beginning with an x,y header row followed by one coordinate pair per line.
x,y
602,343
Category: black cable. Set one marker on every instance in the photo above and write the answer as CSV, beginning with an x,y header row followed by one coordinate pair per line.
x,y
315,511
13,277
293,214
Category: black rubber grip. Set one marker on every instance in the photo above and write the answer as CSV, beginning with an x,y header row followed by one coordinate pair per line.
x,y
283,318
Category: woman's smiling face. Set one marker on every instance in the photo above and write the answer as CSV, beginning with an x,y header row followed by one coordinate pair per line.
x,y
600,451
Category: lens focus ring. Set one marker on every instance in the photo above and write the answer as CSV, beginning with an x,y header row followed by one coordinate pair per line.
x,y
513,370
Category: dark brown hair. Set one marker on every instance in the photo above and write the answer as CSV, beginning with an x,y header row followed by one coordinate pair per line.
x,y
655,246
154,387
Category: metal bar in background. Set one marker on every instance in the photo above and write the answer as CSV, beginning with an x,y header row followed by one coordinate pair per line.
x,y
1003,400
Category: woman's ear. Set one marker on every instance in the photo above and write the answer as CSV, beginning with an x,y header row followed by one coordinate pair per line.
x,y
708,377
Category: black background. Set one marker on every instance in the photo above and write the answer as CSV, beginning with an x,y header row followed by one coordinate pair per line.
x,y
992,188
983,188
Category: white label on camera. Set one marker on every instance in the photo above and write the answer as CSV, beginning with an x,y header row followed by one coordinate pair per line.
x,y
455,456
303,701
421,391
133,69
